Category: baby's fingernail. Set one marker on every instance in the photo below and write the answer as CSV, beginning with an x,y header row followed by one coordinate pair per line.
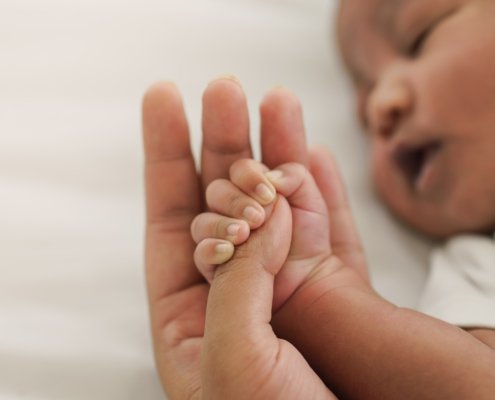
x,y
275,175
233,229
265,193
223,253
223,248
253,215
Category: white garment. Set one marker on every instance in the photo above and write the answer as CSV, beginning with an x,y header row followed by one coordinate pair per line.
x,y
461,286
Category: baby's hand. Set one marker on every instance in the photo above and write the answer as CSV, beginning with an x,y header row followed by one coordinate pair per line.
x,y
237,205
241,204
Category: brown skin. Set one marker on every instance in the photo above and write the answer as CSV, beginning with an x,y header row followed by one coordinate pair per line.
x,y
350,327
423,72
360,345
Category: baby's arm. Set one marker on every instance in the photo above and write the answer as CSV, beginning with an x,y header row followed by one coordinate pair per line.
x,y
365,347
368,348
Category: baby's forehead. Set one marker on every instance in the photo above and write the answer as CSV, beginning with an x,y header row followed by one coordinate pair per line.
x,y
362,25
384,12
355,16
368,11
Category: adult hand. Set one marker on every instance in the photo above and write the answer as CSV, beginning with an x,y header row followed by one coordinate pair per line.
x,y
241,356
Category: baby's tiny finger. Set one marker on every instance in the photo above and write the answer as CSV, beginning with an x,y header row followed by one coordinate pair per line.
x,y
224,198
248,175
210,253
291,177
212,225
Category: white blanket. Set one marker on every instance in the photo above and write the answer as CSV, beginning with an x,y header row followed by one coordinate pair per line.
x,y
73,315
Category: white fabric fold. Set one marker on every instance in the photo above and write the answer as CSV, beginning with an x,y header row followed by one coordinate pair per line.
x,y
461,286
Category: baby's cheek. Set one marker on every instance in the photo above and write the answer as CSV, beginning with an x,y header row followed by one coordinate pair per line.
x,y
471,205
381,170
382,183
390,184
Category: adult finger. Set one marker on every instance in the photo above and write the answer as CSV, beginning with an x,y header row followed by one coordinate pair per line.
x,y
344,237
172,193
225,125
283,137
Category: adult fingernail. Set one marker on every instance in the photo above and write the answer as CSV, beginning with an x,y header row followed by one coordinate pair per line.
x,y
229,77
266,194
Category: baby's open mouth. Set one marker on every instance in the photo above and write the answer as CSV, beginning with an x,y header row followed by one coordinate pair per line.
x,y
413,160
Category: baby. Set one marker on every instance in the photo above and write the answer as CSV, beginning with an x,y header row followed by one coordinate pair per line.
x,y
422,72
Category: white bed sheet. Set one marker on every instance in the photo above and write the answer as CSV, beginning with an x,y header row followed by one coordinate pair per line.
x,y
73,315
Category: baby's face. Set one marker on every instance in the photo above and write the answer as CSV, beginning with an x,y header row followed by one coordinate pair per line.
x,y
424,72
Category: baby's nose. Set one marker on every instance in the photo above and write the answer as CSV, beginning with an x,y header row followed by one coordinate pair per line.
x,y
390,102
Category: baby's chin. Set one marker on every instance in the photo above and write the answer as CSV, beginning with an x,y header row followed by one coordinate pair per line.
x,y
442,214
439,222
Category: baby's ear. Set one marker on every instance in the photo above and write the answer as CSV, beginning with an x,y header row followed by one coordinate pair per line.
x,y
269,245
